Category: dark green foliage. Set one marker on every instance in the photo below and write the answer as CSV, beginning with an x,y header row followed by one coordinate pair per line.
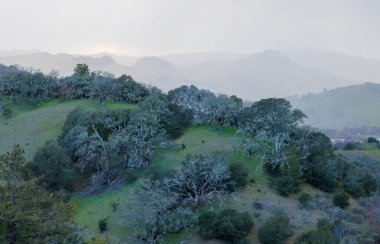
x,y
304,199
275,230
350,146
228,225
53,166
82,70
286,185
103,131
157,172
77,117
372,140
178,120
102,225
273,115
126,89
319,168
238,176
7,112
358,183
131,175
34,86
28,213
341,199
319,236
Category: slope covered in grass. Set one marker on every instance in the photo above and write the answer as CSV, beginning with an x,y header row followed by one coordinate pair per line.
x,y
31,127
197,140
351,106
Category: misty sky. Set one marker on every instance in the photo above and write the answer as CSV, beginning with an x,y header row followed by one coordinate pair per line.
x,y
153,27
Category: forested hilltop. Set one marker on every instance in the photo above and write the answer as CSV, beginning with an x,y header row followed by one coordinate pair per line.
x,y
132,164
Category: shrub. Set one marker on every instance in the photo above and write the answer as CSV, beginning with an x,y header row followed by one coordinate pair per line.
x,y
131,175
320,236
7,113
341,199
304,199
372,140
275,230
350,146
53,166
102,225
359,183
238,176
286,185
228,225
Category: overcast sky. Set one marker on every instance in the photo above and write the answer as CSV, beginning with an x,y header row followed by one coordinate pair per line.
x,y
152,27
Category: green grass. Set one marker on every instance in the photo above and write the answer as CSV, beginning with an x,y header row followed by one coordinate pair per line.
x,y
368,152
31,127
198,140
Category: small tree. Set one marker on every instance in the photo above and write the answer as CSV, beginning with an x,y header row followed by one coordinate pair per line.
x,y
238,176
372,140
287,185
319,236
54,166
275,230
199,179
341,199
102,225
226,225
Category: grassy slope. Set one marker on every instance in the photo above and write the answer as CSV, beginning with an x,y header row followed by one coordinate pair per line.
x,y
343,107
35,126
32,127
369,152
198,139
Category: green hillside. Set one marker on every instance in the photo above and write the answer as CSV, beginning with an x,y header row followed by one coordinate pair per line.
x,y
34,126
351,106
31,127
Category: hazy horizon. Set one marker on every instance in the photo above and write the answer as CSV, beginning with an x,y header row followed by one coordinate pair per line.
x,y
153,28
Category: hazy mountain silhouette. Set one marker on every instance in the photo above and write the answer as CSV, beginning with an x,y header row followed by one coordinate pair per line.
x,y
349,67
265,74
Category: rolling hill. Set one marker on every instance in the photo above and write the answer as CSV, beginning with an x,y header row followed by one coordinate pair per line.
x,y
351,106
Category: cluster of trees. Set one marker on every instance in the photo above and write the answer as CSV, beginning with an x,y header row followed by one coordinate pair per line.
x,y
108,146
206,106
173,201
34,86
28,212
102,145
270,129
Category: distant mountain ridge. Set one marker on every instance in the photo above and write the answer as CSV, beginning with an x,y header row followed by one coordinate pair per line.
x,y
351,106
251,76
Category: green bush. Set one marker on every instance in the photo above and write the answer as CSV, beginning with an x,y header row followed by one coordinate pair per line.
x,y
304,199
350,146
228,225
372,140
275,230
7,113
102,225
53,166
359,183
341,199
238,176
319,236
286,185
131,175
